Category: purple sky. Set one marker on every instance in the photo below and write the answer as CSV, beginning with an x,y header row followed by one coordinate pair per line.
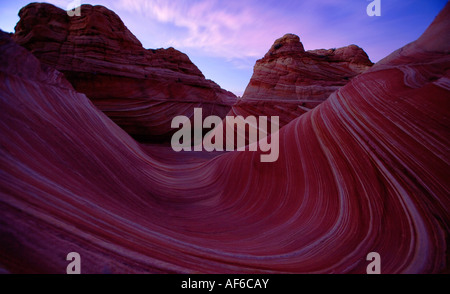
x,y
224,38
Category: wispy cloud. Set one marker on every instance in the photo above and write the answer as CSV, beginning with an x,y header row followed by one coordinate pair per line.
x,y
235,30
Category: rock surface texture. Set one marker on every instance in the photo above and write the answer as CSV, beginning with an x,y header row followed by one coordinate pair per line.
x,y
292,81
288,72
139,89
365,171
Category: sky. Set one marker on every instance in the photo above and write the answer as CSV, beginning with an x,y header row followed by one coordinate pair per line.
x,y
224,38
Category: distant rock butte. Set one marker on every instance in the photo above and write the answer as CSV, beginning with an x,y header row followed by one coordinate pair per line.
x,y
139,89
288,72
290,81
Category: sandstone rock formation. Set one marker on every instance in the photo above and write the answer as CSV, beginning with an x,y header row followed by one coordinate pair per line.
x,y
141,90
292,81
288,72
365,171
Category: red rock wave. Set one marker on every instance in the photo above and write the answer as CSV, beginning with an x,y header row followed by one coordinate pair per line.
x,y
365,171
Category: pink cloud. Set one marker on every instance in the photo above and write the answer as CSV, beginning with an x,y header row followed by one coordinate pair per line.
x,y
230,29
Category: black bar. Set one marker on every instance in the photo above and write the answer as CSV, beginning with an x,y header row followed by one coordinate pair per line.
x,y
224,283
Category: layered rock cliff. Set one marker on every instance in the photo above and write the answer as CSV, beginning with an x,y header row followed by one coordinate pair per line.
x,y
288,72
139,89
292,81
289,81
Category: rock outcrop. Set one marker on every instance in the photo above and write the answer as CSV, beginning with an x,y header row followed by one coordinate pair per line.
x,y
365,171
139,89
288,72
292,81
